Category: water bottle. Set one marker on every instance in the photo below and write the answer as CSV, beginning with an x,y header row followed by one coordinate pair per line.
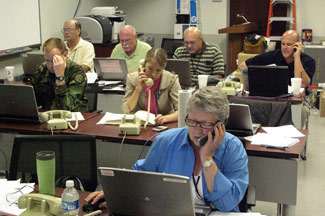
x,y
70,199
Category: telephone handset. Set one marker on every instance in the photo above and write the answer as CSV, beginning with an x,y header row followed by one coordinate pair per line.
x,y
149,83
39,205
204,139
56,119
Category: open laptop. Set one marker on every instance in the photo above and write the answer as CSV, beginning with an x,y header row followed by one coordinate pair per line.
x,y
240,121
18,102
132,192
182,68
268,81
31,61
111,69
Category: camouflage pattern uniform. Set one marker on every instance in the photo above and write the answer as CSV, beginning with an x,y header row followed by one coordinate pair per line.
x,y
69,96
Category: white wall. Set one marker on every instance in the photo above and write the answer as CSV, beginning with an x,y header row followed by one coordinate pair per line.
x,y
310,14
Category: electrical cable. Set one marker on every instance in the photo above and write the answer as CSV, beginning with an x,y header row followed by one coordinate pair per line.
x,y
146,144
120,152
77,9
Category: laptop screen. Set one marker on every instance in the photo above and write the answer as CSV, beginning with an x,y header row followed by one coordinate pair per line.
x,y
110,69
18,102
132,192
182,69
268,81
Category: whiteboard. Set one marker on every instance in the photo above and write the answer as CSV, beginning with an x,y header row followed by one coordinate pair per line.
x,y
19,23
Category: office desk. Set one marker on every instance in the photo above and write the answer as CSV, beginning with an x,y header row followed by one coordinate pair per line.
x,y
296,105
32,128
273,172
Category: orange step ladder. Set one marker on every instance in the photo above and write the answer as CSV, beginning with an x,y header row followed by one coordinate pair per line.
x,y
291,18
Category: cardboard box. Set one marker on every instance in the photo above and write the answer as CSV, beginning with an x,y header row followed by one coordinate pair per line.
x,y
322,104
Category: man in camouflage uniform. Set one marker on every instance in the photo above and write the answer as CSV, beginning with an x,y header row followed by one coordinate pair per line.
x,y
59,83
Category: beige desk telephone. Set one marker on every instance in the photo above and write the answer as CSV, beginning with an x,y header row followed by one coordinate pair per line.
x,y
130,124
56,120
39,205
229,87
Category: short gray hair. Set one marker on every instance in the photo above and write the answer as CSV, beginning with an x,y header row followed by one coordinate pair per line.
x,y
210,99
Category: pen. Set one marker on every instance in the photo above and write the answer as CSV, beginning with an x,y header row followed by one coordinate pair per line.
x,y
276,147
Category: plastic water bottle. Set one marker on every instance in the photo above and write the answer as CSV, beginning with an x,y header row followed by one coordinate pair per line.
x,y
70,199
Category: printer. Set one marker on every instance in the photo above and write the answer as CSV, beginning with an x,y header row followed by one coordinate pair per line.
x,y
102,26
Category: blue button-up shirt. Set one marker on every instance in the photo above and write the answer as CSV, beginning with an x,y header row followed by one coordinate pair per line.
x,y
172,153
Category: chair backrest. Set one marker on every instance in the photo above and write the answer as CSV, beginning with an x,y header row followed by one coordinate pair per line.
x,y
170,45
75,155
92,95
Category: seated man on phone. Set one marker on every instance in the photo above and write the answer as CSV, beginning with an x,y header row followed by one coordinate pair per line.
x,y
300,64
59,83
217,167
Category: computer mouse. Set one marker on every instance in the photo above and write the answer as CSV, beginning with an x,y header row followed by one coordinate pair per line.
x,y
88,207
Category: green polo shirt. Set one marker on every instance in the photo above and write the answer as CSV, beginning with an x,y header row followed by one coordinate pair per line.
x,y
132,61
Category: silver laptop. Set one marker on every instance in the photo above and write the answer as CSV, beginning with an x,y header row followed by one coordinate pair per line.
x,y
182,68
240,121
18,102
131,192
31,62
111,69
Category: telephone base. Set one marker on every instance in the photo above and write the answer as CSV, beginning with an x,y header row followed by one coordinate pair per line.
x,y
228,90
57,124
130,125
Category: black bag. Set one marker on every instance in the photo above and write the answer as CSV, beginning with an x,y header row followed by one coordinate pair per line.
x,y
60,182
254,44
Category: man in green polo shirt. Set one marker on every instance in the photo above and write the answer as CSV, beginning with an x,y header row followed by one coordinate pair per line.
x,y
130,48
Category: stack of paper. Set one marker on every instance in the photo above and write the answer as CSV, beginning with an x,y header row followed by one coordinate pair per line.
x,y
10,191
277,137
115,119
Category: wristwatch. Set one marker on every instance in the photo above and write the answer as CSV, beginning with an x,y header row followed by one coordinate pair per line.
x,y
207,163
60,78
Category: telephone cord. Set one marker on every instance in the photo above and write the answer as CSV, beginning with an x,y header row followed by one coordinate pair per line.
x,y
76,125
148,109
120,152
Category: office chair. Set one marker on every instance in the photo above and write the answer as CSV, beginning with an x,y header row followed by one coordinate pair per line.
x,y
170,45
75,155
248,200
92,95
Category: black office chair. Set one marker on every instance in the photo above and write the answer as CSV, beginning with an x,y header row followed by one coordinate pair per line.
x,y
92,95
170,45
248,200
75,155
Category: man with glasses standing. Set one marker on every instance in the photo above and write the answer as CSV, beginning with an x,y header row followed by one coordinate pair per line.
x,y
205,58
80,51
130,48
218,169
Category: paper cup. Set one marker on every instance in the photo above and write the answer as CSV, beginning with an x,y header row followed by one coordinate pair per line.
x,y
203,80
10,70
296,85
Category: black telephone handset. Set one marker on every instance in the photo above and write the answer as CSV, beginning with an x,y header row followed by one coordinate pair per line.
x,y
204,139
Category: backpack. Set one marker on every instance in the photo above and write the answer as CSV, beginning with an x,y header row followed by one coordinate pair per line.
x,y
254,44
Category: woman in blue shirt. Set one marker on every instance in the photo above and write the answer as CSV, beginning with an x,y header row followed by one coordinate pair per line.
x,y
218,169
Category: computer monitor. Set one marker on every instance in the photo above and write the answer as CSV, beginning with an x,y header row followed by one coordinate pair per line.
x,y
170,45
268,81
31,62
110,68
182,68
18,102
